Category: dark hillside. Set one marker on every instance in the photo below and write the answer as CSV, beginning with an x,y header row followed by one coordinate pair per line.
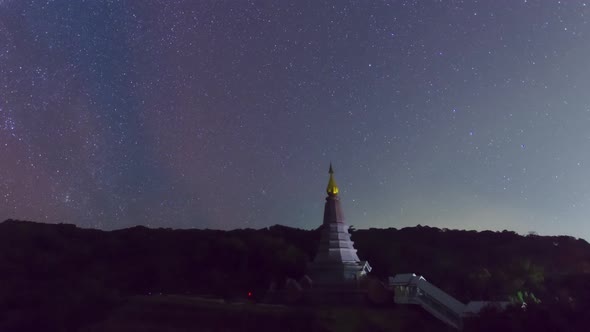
x,y
61,277
476,265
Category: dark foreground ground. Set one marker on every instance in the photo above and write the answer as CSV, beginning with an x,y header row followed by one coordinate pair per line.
x,y
181,313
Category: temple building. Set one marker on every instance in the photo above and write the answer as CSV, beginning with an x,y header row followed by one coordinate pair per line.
x,y
335,273
336,262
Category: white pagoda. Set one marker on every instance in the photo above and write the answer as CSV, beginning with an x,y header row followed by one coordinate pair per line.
x,y
336,262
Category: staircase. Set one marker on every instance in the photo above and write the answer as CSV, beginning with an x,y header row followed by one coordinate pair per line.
x,y
412,289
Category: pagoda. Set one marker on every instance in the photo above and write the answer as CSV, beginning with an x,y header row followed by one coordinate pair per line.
x,y
336,262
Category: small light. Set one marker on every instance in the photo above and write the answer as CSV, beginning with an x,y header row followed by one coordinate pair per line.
x,y
249,294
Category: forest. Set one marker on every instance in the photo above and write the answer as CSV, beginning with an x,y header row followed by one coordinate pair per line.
x,y
58,277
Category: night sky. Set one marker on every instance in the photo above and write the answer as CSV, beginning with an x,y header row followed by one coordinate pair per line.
x,y
226,114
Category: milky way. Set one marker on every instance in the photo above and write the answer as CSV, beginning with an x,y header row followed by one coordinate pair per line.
x,y
226,114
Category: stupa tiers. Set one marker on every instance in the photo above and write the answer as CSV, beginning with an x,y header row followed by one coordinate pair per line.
x,y
336,261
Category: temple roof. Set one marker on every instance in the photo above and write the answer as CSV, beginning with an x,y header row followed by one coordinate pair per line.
x,y
332,189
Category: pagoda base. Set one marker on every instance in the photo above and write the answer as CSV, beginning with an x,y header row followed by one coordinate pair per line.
x,y
338,274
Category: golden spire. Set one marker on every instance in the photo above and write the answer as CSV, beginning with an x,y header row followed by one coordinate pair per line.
x,y
332,186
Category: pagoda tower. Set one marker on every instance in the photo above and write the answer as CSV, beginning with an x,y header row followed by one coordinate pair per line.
x,y
336,261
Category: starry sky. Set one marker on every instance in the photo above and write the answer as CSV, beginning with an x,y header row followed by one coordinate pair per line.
x,y
226,114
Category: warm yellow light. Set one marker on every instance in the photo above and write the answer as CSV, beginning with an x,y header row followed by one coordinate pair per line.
x,y
332,186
